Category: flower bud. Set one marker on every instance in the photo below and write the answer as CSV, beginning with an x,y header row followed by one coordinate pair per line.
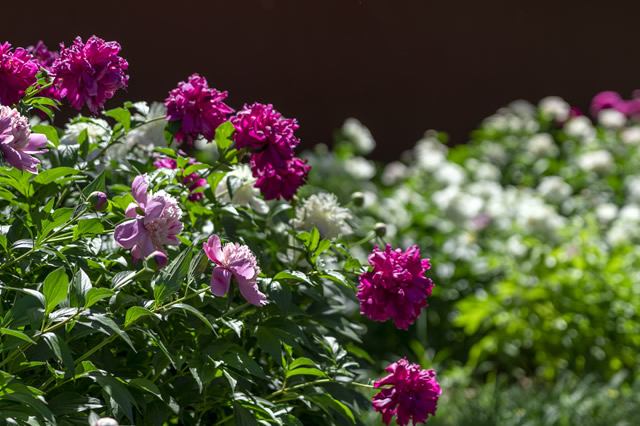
x,y
157,260
106,421
97,201
380,229
358,199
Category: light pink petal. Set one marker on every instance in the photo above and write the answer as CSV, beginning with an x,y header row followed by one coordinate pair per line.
x,y
139,188
213,248
131,210
243,268
36,143
220,280
250,291
129,233
153,209
146,244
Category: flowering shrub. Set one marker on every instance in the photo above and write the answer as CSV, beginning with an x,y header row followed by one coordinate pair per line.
x,y
533,226
141,285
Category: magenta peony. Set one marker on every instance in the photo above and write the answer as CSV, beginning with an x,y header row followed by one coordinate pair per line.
x,y
17,144
156,221
396,286
613,100
90,73
413,393
200,109
192,181
262,130
234,260
280,182
46,58
17,72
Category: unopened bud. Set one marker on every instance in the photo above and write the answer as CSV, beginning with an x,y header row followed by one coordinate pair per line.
x,y
380,229
358,199
97,201
157,260
106,421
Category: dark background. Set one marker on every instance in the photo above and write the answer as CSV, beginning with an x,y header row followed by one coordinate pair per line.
x,y
400,66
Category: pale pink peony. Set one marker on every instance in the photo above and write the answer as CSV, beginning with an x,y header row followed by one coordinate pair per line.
x,y
156,221
412,393
17,144
234,260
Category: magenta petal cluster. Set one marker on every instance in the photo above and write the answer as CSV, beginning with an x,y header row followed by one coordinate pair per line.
x,y
17,72
155,221
17,144
413,393
192,181
90,73
200,109
234,260
46,58
612,100
395,287
270,137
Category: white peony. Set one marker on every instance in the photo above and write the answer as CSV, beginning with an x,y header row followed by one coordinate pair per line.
x,y
149,135
359,134
360,168
97,129
430,153
325,213
600,161
245,194
542,145
555,107
612,119
631,136
581,128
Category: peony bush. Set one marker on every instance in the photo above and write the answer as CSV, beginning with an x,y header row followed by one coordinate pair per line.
x,y
160,265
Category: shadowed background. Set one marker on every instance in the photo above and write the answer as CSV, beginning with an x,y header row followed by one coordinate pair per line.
x,y
399,67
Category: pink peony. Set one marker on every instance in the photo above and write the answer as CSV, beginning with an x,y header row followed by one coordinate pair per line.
x,y
613,100
413,394
396,287
90,73
17,72
192,181
156,221
234,260
261,129
280,182
17,144
200,108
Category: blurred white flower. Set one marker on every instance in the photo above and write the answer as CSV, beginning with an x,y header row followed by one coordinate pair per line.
x,y
450,174
612,119
631,135
149,135
555,107
360,168
97,129
359,135
325,213
600,161
536,216
394,172
430,153
457,205
632,184
626,227
542,145
606,212
515,246
580,127
554,189
495,153
245,194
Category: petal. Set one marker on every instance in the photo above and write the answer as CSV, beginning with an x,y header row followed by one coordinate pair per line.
x,y
249,290
213,248
220,280
243,268
129,233
139,188
153,209
131,210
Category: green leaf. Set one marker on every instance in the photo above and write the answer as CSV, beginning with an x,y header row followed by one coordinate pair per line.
x,y
55,289
117,391
326,400
352,263
167,151
197,266
171,129
242,416
306,371
98,184
294,275
146,385
302,361
52,175
61,351
172,276
109,323
70,403
322,246
80,286
49,131
58,218
96,294
87,226
135,312
83,143
223,135
16,333
280,294
242,362
194,311
359,352
122,116
194,168
270,343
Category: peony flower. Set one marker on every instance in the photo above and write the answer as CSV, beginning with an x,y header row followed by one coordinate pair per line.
x,y
261,129
359,135
281,182
199,108
97,201
396,286
156,221
17,144
192,181
17,72
613,100
612,119
245,193
97,130
412,395
45,58
599,161
90,73
234,260
325,213
151,134
157,260
555,108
